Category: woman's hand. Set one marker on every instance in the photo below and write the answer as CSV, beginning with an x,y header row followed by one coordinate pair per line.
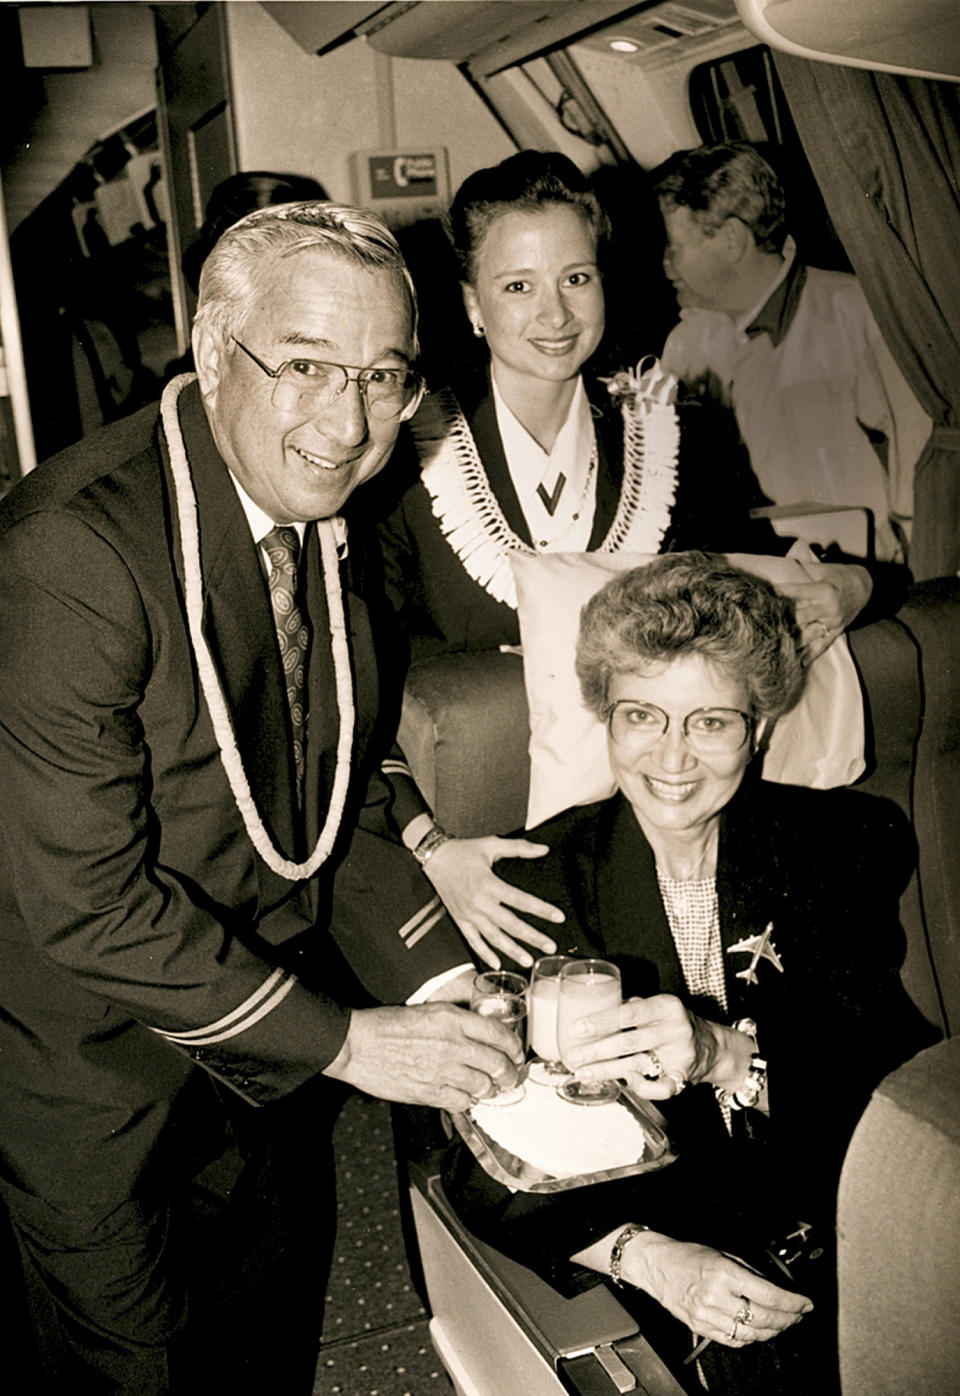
x,y
835,595
461,870
706,1290
656,1046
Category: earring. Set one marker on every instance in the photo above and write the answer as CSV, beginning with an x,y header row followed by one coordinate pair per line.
x,y
478,330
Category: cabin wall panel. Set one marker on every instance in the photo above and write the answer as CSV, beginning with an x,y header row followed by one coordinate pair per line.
x,y
651,119
299,113
436,104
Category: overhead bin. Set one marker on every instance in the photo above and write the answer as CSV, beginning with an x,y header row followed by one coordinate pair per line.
x,y
918,37
488,37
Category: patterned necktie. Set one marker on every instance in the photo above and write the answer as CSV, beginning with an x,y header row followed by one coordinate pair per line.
x,y
293,634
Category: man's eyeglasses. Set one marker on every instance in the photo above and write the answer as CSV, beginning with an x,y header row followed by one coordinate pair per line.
x,y
707,731
310,385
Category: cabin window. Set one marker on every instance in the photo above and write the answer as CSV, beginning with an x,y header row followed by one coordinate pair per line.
x,y
738,98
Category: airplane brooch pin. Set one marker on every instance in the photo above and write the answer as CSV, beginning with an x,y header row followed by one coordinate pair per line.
x,y
758,948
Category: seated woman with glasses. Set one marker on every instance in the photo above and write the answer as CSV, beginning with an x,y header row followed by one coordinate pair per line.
x,y
756,931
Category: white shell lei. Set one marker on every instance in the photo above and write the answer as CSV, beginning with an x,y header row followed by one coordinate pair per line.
x,y
470,516
186,503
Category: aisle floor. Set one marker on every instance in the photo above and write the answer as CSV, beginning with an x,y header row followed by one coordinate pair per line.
x,y
375,1337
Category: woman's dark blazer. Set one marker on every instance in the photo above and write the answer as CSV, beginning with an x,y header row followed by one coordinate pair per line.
x,y
826,868
445,610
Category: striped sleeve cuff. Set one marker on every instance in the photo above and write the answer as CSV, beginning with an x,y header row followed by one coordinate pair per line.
x,y
393,767
421,922
261,1002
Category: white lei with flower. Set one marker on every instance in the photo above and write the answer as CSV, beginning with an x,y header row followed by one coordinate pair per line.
x,y
470,516
186,504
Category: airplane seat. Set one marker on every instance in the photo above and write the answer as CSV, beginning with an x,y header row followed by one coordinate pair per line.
x,y
932,616
898,1209
464,730
492,1316
898,1225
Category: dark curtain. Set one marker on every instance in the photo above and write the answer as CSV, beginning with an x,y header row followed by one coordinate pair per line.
x,y
886,153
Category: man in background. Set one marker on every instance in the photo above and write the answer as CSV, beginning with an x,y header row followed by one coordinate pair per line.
x,y
823,409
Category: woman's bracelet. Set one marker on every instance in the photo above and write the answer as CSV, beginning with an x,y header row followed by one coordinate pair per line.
x,y
748,1093
619,1246
432,840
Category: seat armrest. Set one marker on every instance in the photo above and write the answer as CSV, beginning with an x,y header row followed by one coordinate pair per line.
x,y
500,1327
465,732
848,526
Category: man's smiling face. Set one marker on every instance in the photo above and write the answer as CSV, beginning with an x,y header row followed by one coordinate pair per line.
x,y
318,305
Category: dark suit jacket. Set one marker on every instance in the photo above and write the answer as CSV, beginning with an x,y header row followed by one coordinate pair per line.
x,y
827,868
132,902
444,610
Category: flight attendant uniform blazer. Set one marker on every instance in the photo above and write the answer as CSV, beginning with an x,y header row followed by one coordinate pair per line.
x,y
140,932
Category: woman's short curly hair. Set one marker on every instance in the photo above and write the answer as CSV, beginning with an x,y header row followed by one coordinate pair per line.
x,y
692,603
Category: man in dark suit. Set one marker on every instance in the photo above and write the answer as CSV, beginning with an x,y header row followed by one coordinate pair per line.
x,y
189,705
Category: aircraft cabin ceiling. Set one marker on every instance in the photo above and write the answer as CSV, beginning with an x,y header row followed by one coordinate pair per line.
x,y
907,36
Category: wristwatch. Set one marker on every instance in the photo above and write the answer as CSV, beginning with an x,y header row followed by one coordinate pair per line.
x,y
748,1093
432,840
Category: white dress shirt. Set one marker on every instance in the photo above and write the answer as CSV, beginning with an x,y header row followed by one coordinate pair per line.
x,y
568,528
804,401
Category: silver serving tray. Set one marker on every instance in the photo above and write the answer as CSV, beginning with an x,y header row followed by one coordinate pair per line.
x,y
522,1176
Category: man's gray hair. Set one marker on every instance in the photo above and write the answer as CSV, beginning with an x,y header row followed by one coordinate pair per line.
x,y
727,180
243,260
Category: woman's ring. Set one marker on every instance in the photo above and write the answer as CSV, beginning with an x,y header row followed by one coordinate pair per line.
x,y
733,1331
745,1312
656,1068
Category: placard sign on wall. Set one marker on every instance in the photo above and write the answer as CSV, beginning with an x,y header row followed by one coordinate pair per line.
x,y
402,185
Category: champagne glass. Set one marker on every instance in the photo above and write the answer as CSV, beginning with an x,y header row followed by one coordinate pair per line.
x,y
502,995
586,987
546,1068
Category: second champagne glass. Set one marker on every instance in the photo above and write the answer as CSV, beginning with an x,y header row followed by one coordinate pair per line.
x,y
546,1068
586,987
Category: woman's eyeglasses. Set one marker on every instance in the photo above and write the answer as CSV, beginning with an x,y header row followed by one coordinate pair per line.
x,y
310,385
707,731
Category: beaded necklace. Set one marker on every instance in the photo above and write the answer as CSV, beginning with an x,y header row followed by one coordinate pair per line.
x,y
186,505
